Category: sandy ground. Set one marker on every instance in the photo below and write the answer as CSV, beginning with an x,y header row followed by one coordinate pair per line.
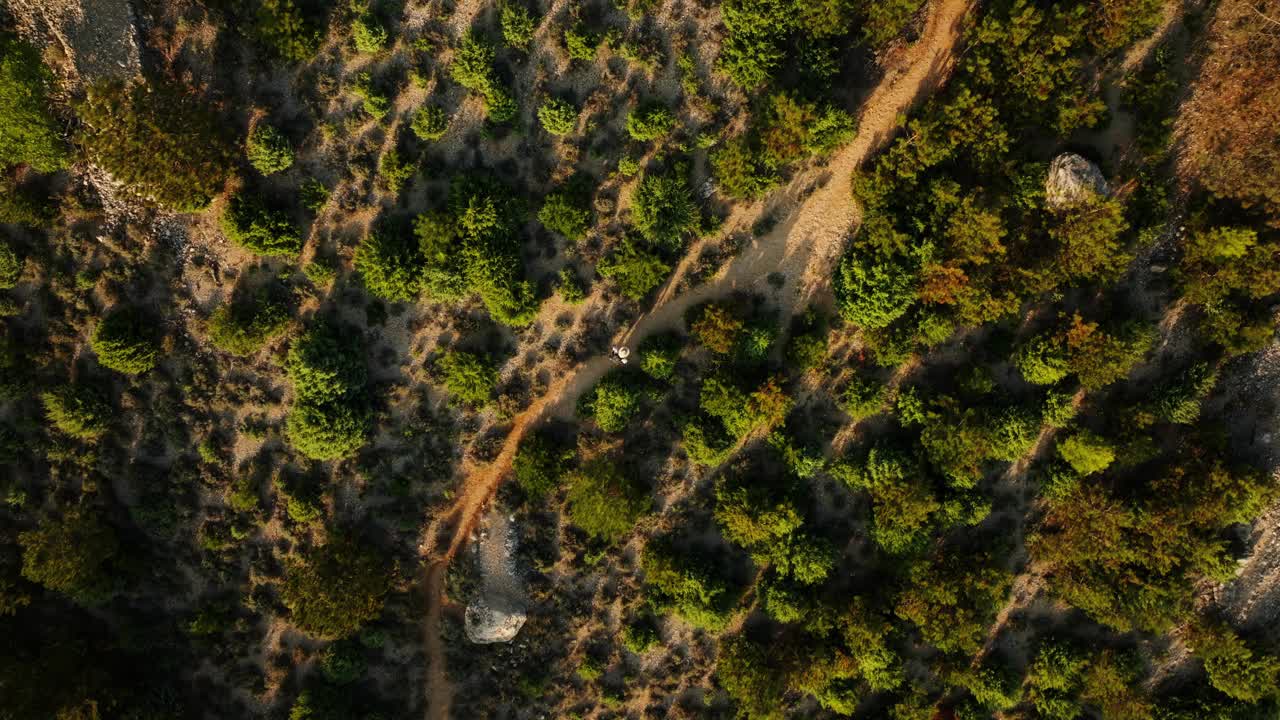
x,y
803,247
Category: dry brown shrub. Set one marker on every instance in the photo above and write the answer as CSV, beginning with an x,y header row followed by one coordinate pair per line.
x,y
1231,124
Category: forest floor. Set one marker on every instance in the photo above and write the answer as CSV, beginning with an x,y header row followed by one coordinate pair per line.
x,y
802,248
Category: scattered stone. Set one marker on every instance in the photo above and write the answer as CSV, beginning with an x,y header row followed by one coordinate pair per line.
x,y
498,611
1072,180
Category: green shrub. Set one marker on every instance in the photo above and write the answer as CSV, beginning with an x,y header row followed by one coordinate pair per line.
x,y
125,341
746,673
1012,432
1179,401
873,292
650,122
602,502
996,686
569,286
564,212
78,411
558,117
245,327
707,443
864,397
249,223
1234,667
10,266
639,636
636,270
664,211
368,33
374,102
680,582
329,418
1042,360
336,588
614,401
163,142
581,43
268,150
430,123
658,354
320,271
518,25
472,68
313,194
740,171
718,328
1054,679
29,133
71,556
744,413
282,26
539,465
25,204
1058,409
886,21
470,378
390,263
952,600
343,662
1086,452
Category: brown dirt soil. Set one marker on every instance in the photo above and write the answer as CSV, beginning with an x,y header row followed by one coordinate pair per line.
x,y
802,248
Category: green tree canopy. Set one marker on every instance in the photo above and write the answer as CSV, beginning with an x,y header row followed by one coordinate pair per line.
x,y
269,150
78,411
663,210
71,555
604,502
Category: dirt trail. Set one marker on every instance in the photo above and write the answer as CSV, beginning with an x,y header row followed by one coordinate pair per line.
x,y
802,248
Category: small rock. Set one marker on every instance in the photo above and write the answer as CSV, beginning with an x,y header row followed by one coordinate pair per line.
x,y
1072,180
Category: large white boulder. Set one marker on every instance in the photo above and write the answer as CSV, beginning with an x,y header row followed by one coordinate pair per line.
x,y
485,624
1072,180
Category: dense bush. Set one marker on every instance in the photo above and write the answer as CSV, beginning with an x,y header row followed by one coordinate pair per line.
x,y
744,413
614,401
581,43
474,248
29,133
765,520
470,378
390,262
904,508
1234,667
269,151
1226,271
78,411
330,416
636,270
740,171
125,341
558,117
683,583
883,22
566,212
602,501
368,33
952,599
472,68
649,122
718,328
747,674
282,26
1086,452
1130,557
10,266
664,211
518,25
657,355
539,464
336,588
163,142
430,123
250,223
72,556
244,326
343,663
864,397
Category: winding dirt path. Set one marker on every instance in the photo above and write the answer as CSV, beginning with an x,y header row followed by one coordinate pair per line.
x,y
803,248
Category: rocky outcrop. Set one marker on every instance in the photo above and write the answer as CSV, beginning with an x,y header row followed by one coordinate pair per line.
x,y
99,36
1072,180
497,612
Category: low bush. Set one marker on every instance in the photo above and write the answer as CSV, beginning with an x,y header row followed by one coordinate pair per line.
x,y
650,122
470,378
282,26
539,464
245,326
472,68
250,223
664,211
335,589
680,582
390,263
330,415
72,556
269,150
603,502
581,43
636,270
864,397
78,411
614,401
430,123
369,34
566,213
161,141
1233,666
1086,452
126,341
658,354
10,266
558,117
518,25
29,133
